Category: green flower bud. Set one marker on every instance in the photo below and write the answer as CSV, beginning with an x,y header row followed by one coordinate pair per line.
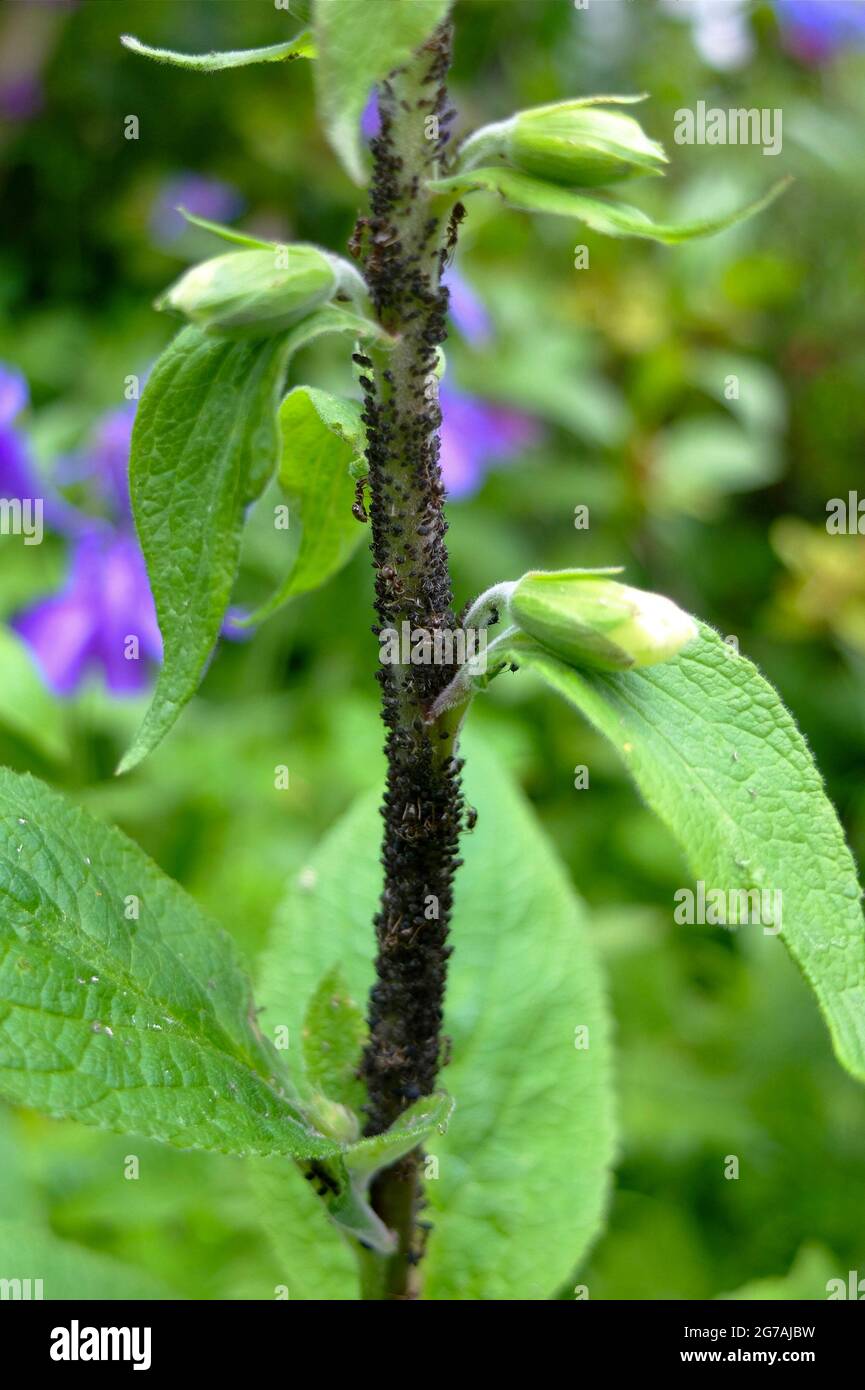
x,y
588,619
570,142
255,293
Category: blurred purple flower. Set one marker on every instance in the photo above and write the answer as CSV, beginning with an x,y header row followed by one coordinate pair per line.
x,y
18,477
475,435
105,462
816,30
21,97
370,120
103,619
206,197
16,474
467,309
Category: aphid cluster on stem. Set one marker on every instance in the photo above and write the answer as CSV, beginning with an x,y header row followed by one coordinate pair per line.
x,y
403,247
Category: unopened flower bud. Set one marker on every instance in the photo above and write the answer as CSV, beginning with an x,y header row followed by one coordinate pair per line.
x,y
255,293
578,143
587,619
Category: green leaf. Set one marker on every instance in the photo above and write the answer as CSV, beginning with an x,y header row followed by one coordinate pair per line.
x,y
27,708
317,1262
334,1032
523,1165
225,233
356,50
204,445
322,436
414,1125
70,1271
611,218
302,46
332,318
717,756
121,1004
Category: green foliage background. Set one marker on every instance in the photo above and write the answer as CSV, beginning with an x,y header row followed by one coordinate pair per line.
x,y
720,504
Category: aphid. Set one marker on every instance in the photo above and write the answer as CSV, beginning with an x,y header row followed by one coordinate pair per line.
x,y
458,212
358,510
355,241
471,817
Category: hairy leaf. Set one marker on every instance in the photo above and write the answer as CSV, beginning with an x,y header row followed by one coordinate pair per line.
x,y
717,756
358,46
612,218
523,1165
121,1005
204,445
322,436
302,46
333,1036
419,1122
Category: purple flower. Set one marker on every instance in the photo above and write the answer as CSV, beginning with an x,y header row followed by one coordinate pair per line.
x,y
816,30
106,462
370,120
104,619
16,473
467,309
206,197
476,434
21,97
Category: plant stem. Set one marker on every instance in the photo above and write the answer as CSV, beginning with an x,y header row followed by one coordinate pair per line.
x,y
422,807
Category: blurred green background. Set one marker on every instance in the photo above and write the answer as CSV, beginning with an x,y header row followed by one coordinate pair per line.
x,y
621,370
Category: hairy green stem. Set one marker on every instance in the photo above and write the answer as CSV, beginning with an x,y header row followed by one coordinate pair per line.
x,y
403,248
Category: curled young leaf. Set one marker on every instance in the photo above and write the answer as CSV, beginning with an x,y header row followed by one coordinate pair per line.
x,y
303,46
613,219
322,441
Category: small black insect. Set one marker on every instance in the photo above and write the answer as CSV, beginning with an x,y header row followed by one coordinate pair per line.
x,y
358,510
458,212
471,817
355,241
